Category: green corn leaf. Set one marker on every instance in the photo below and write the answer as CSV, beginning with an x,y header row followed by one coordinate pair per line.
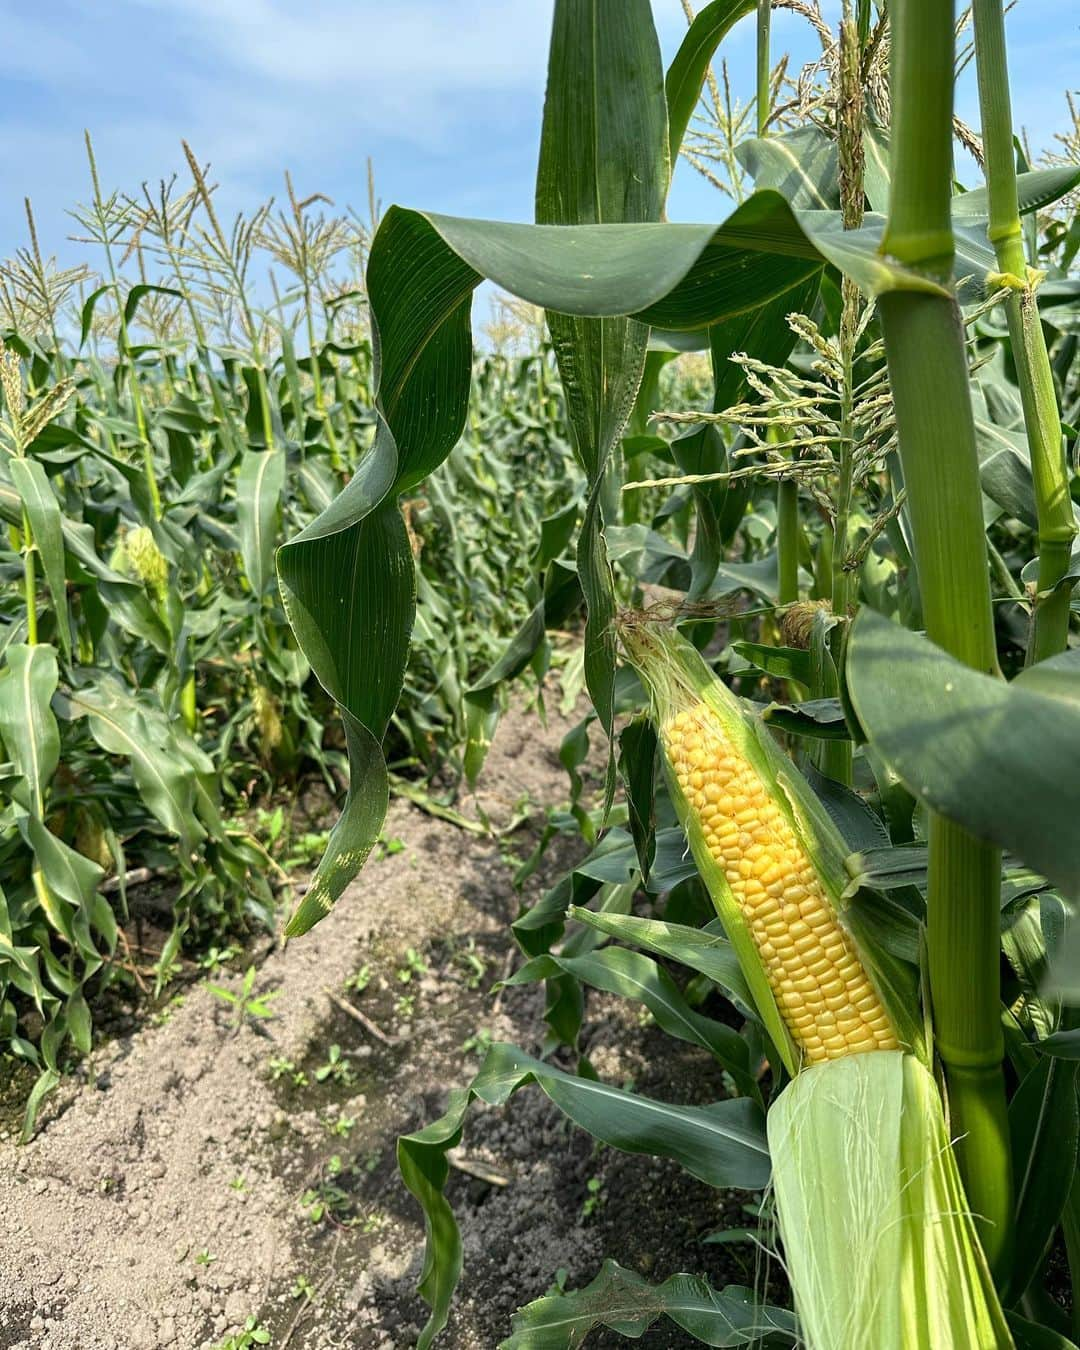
x,y
623,1301
668,275
86,319
138,292
861,827
617,970
1030,1336
783,663
259,485
78,1020
1062,1044
1035,189
555,534
801,165
603,159
722,1145
706,952
637,766
292,383
685,277
122,725
686,74
347,580
543,924
43,511
760,577
972,747
1056,676
28,728
1045,1127
615,860
46,1082
820,718
356,830
68,874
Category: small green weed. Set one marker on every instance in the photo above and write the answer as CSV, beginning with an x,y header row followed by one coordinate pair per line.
x,y
479,1043
302,1288
472,962
336,1068
358,982
306,849
217,957
247,1003
414,965
594,1199
285,1068
252,1333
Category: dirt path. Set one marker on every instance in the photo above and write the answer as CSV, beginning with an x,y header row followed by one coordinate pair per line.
x,y
203,1173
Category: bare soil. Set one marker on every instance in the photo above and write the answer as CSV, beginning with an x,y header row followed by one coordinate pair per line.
x,y
197,1172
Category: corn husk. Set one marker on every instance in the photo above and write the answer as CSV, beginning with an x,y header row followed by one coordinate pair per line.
x,y
880,1249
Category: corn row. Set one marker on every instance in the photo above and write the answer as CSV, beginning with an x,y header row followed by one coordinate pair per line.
x,y
821,989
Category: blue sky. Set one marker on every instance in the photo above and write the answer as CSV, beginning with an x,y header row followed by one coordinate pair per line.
x,y
445,95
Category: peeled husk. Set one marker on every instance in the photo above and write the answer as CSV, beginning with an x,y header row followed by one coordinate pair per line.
x,y
879,1245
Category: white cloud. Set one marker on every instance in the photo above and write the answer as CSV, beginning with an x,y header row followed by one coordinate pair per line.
x,y
367,44
446,94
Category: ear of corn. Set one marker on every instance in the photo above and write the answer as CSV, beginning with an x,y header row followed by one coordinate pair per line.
x,y
773,863
879,1246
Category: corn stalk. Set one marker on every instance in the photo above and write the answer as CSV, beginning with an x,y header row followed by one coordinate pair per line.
x,y
1049,469
928,369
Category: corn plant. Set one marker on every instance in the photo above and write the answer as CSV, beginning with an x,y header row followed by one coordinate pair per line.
x,y
872,885
160,436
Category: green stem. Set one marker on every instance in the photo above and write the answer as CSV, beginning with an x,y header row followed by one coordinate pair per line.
x,y
316,379
823,566
849,119
787,490
125,344
842,579
787,539
928,370
927,360
1049,468
764,72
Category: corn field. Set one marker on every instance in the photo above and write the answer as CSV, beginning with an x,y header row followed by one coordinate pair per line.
x,y
778,512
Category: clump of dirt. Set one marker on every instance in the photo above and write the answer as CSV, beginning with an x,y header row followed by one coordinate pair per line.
x,y
209,1167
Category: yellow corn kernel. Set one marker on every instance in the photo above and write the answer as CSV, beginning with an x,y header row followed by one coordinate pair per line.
x,y
813,968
